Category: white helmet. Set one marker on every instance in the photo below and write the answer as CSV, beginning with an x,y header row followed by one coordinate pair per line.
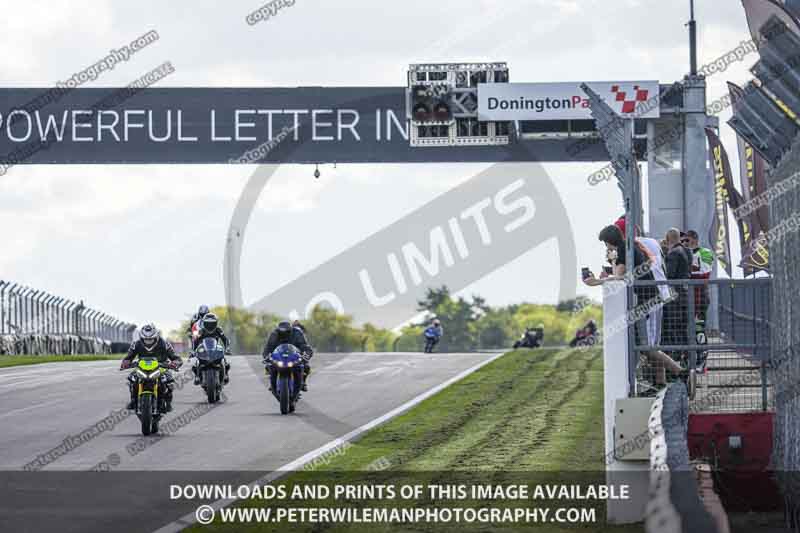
x,y
149,335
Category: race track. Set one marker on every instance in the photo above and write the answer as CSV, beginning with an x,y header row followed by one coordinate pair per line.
x,y
237,440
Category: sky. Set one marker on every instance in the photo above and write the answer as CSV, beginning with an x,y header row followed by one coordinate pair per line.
x,y
146,242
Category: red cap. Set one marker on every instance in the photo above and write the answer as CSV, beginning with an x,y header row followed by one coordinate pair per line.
x,y
620,223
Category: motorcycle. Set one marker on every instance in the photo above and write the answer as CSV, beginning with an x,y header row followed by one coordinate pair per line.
x,y
431,339
150,377
195,333
585,337
285,368
210,355
528,340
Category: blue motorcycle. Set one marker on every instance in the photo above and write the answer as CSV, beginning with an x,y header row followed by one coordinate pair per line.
x,y
431,339
285,368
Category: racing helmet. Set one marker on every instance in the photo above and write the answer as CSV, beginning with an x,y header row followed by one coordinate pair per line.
x,y
202,311
436,322
284,332
209,323
149,335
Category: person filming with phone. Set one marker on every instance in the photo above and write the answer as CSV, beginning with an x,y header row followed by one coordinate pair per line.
x,y
646,297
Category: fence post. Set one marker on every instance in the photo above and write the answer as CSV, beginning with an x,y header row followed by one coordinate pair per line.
x,y
31,310
78,318
59,315
691,327
3,287
39,306
108,333
23,309
93,318
48,313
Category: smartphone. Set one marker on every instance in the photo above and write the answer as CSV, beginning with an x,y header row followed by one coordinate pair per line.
x,y
608,270
586,273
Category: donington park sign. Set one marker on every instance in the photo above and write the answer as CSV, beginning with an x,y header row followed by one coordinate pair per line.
x,y
565,101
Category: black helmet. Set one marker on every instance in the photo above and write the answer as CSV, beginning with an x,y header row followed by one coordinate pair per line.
x,y
202,311
284,332
210,322
149,335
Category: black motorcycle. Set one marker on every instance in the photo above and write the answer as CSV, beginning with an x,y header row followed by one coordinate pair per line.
x,y
211,368
530,339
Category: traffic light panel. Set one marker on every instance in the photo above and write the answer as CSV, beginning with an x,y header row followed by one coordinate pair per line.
x,y
429,103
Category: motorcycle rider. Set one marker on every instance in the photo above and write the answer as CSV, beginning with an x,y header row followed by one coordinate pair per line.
x,y
297,324
530,339
434,333
209,328
285,333
151,344
197,317
540,334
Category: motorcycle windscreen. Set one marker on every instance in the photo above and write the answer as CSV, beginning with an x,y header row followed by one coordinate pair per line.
x,y
210,350
286,353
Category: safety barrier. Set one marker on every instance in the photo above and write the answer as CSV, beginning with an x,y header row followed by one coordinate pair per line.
x,y
36,322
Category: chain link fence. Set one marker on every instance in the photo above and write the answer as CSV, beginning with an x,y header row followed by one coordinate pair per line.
x,y
784,258
714,334
36,322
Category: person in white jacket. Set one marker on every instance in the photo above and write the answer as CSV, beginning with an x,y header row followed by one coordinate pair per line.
x,y
657,267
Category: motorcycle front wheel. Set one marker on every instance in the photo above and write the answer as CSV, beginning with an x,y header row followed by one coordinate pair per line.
x,y
212,389
146,408
284,394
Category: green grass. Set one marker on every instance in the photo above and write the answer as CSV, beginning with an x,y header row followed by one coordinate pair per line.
x,y
20,360
530,416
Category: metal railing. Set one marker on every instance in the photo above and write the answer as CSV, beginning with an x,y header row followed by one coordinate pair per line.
x,y
721,328
30,318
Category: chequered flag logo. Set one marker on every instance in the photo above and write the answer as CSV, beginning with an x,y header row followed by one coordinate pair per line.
x,y
629,101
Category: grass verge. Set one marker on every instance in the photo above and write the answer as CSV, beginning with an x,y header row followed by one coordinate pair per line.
x,y
530,417
21,360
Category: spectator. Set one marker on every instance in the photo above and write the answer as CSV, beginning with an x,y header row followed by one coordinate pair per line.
x,y
702,264
654,321
656,255
678,261
645,296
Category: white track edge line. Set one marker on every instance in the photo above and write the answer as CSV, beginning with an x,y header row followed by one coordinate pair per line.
x,y
190,519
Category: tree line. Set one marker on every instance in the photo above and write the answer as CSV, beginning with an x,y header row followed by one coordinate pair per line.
x,y
468,325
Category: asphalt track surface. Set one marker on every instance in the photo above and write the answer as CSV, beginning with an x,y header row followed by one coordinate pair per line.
x,y
236,441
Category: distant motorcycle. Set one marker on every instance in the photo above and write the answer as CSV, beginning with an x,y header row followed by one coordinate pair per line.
x,y
431,339
529,339
586,336
211,370
149,377
285,368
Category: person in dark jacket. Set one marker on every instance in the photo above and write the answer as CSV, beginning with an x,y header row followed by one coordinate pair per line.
x,y
151,344
209,329
678,267
285,333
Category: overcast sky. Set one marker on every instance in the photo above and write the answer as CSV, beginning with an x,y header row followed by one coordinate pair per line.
x,y
147,242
